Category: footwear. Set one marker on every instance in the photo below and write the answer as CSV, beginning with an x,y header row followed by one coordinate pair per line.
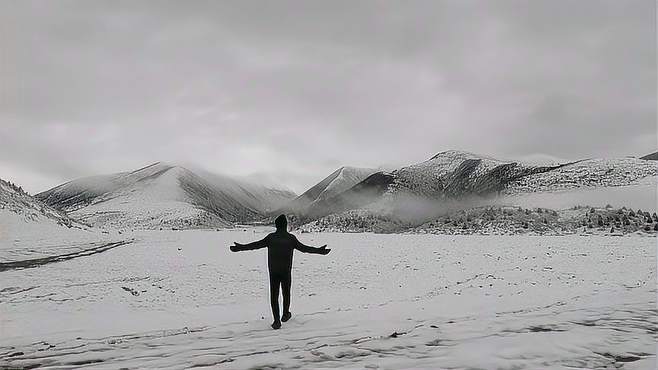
x,y
276,325
286,316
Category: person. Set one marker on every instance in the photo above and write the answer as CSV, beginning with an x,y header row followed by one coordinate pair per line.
x,y
280,246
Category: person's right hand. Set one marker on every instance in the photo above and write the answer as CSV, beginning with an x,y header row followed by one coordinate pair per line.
x,y
324,250
234,247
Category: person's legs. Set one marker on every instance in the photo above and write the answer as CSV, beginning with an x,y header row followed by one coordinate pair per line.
x,y
275,281
285,286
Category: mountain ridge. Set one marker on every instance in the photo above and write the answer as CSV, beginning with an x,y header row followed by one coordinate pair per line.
x,y
164,195
338,181
19,206
453,175
650,157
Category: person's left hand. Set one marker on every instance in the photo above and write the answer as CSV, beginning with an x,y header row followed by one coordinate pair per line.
x,y
234,247
324,250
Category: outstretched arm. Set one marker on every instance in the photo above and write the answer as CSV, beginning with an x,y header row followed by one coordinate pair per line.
x,y
308,249
251,246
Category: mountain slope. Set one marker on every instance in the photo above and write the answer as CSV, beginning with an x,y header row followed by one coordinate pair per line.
x,y
263,199
453,177
588,173
19,206
450,174
337,182
164,196
30,229
651,157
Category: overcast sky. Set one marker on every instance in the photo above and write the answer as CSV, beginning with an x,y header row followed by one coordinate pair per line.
x,y
293,90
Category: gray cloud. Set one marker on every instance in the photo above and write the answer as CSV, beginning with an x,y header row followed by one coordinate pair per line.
x,y
293,89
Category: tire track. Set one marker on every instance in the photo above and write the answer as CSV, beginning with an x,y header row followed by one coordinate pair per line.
x,y
36,262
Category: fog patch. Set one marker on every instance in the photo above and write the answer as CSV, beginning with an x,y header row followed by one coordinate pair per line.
x,y
633,196
413,209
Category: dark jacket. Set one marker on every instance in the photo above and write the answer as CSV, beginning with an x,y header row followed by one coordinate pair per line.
x,y
280,246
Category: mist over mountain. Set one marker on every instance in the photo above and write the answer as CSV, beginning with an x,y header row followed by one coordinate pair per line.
x,y
164,195
337,182
168,196
454,180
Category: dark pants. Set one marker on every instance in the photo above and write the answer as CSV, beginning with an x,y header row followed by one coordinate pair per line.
x,y
284,280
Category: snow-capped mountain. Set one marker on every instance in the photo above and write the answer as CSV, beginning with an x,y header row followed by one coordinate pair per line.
x,y
588,173
164,196
337,182
461,176
17,207
33,233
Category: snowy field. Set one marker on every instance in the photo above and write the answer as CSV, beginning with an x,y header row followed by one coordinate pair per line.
x,y
181,299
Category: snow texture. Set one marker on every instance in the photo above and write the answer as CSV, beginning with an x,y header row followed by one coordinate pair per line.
x,y
164,196
175,300
33,232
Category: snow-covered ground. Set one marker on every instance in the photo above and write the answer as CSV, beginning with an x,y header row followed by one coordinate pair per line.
x,y
25,241
32,232
181,299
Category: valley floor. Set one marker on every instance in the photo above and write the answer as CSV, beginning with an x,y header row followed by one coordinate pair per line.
x,y
181,299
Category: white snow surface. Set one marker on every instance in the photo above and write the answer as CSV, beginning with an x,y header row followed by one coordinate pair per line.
x,y
30,229
174,300
22,240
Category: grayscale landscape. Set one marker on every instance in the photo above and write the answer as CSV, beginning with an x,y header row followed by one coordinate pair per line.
x,y
484,174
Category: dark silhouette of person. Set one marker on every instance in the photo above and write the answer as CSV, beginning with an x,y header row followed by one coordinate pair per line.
x,y
280,246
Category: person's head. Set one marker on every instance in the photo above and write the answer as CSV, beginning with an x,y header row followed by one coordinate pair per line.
x,y
281,223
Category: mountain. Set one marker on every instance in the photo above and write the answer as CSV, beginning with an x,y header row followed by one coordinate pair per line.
x,y
651,157
587,174
32,233
337,182
449,174
18,207
164,196
452,179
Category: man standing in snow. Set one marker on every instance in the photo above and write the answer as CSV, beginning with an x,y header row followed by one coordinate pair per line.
x,y
280,246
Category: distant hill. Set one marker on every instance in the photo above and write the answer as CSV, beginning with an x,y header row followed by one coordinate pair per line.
x,y
337,182
164,196
20,207
449,174
168,196
651,157
423,189
32,233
